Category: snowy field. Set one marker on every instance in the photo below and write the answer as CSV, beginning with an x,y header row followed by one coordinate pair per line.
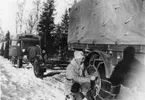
x,y
21,84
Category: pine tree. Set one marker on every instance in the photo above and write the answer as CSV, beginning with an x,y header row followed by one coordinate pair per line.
x,y
46,26
58,36
7,39
64,31
65,22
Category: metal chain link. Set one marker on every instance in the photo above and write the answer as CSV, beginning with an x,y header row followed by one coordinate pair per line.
x,y
92,64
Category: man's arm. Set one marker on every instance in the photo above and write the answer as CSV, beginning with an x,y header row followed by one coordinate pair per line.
x,y
78,78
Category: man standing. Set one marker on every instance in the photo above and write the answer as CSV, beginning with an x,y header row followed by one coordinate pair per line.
x,y
74,73
126,68
33,51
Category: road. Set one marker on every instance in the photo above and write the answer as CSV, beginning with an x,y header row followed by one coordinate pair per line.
x,y
21,84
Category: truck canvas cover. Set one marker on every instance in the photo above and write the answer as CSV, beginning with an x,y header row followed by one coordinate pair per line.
x,y
107,22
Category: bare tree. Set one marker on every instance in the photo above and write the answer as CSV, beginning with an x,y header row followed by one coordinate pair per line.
x,y
17,22
1,34
19,16
34,17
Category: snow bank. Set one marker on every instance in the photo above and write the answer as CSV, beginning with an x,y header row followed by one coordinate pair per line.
x,y
131,94
136,88
21,84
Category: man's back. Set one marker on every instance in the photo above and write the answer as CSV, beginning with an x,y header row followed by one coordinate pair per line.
x,y
33,51
125,69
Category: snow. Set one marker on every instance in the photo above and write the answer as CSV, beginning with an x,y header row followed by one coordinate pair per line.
x,y
21,84
131,94
136,88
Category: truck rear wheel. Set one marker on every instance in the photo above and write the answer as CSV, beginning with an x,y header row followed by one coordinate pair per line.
x,y
103,89
13,60
37,70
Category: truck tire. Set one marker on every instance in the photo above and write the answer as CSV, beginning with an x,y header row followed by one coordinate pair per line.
x,y
37,70
103,89
13,60
19,63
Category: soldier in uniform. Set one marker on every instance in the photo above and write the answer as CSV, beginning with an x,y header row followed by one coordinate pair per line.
x,y
74,76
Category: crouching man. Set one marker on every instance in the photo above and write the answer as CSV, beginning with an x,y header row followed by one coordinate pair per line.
x,y
74,74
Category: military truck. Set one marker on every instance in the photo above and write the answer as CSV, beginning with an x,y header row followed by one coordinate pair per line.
x,y
103,29
18,49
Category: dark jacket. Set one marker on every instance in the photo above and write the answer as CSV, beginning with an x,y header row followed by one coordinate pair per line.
x,y
126,68
33,51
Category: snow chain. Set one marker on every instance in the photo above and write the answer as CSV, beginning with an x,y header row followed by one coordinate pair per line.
x,y
104,90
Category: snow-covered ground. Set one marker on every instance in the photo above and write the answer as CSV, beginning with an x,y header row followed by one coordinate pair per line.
x,y
21,84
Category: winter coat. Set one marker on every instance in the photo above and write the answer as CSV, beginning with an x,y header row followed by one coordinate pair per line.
x,y
123,72
74,73
33,51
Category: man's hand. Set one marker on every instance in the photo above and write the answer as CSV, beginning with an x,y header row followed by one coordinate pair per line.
x,y
93,78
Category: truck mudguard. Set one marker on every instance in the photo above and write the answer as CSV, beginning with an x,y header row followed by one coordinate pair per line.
x,y
107,60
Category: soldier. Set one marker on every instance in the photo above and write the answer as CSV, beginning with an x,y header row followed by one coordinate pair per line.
x,y
33,51
125,69
74,74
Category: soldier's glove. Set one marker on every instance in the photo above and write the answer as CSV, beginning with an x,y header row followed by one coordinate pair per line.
x,y
93,79
69,97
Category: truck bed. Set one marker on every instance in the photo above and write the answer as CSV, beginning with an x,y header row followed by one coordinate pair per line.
x,y
120,22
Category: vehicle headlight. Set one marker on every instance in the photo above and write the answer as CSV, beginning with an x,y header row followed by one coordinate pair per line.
x,y
23,50
118,57
25,57
43,51
110,52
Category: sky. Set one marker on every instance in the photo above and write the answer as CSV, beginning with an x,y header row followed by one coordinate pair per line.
x,y
8,9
